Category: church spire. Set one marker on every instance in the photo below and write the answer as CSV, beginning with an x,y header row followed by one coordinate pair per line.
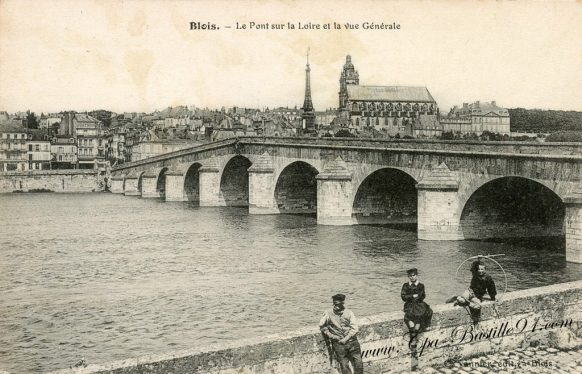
x,y
307,103
308,117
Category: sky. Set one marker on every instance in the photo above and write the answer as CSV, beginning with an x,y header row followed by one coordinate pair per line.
x,y
128,56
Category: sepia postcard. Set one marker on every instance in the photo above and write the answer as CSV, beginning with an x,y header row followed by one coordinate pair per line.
x,y
264,186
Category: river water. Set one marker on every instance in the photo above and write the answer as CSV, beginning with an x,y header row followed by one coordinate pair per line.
x,y
106,277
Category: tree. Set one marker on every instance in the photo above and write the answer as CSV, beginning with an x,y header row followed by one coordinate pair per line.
x,y
447,135
55,128
565,136
31,120
343,133
102,115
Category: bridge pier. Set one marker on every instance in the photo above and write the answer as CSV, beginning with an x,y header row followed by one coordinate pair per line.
x,y
149,184
573,227
334,191
209,177
131,184
175,186
117,184
438,206
261,186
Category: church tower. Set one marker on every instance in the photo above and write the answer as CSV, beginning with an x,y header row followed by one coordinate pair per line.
x,y
308,116
349,76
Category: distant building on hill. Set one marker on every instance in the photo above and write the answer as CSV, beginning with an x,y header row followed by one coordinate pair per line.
x,y
389,109
476,118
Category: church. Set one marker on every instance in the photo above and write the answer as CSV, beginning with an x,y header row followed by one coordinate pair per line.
x,y
391,110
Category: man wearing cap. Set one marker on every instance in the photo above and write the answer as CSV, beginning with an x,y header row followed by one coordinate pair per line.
x,y
339,326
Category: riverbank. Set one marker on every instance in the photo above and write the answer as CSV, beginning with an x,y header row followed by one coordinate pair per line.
x,y
61,181
538,317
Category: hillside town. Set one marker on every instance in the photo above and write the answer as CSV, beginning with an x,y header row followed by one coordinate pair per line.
x,y
101,139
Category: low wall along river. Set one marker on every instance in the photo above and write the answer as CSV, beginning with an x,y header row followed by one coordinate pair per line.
x,y
549,315
64,181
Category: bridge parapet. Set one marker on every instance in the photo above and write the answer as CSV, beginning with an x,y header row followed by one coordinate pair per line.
x,y
541,148
500,149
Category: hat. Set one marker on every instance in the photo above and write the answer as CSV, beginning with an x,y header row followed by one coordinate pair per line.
x,y
339,297
413,271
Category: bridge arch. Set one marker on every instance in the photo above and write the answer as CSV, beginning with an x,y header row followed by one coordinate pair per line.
x,y
139,176
512,207
161,183
296,189
386,196
192,182
159,174
234,181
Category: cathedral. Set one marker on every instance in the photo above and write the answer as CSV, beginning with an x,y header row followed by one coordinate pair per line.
x,y
393,110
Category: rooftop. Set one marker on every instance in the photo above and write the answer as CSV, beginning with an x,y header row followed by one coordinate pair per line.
x,y
389,93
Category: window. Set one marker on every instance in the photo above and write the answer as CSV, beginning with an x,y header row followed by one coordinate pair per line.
x,y
37,148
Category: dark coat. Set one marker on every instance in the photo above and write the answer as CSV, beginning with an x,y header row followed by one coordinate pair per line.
x,y
415,309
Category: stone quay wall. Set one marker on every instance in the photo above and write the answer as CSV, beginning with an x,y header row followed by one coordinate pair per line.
x,y
50,181
549,316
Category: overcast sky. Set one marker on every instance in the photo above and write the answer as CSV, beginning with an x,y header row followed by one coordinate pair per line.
x,y
141,56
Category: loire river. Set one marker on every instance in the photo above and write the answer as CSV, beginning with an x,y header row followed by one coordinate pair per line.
x,y
106,277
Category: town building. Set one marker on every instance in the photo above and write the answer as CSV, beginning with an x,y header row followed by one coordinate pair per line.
x,y
290,114
158,141
476,118
115,150
47,122
39,154
158,147
64,153
389,109
90,136
13,147
325,118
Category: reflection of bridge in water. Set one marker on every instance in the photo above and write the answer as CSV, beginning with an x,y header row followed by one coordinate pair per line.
x,y
451,190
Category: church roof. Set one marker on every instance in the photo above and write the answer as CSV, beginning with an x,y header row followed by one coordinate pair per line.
x,y
389,93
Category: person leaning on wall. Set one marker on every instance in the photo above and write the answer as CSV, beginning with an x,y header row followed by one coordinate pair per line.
x,y
339,327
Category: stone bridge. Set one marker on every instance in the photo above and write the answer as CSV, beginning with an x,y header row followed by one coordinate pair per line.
x,y
452,190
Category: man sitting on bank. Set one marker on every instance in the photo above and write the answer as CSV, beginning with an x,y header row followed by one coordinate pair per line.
x,y
339,326
481,284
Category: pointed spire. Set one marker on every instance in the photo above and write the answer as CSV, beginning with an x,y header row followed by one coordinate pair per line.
x,y
308,117
307,104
